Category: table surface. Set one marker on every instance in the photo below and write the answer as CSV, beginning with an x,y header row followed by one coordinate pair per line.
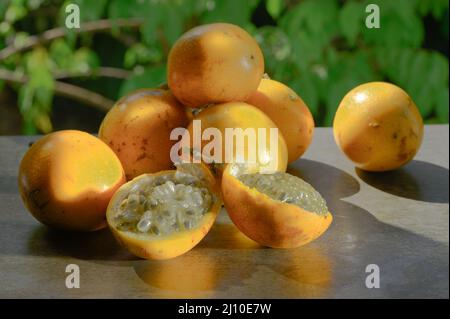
x,y
398,221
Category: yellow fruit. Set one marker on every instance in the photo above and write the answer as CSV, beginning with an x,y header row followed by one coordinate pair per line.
x,y
67,178
239,115
138,130
164,215
276,210
214,63
289,113
378,126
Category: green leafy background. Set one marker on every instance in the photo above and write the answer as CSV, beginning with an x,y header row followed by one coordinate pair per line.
x,y
321,48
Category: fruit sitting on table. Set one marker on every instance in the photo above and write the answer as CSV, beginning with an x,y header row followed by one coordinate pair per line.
x,y
164,215
277,210
67,178
378,127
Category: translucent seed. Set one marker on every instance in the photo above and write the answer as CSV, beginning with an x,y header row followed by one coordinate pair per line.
x,y
144,225
123,204
197,198
133,201
155,230
188,224
170,186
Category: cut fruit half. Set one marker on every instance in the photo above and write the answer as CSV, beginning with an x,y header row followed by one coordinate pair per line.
x,y
164,215
277,210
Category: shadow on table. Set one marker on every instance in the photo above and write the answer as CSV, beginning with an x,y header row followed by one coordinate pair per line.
x,y
99,245
418,180
333,266
226,261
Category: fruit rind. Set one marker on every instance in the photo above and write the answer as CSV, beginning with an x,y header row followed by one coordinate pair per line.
x,y
378,127
269,222
138,129
66,191
289,112
214,63
164,247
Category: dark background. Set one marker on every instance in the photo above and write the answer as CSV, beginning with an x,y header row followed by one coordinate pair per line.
x,y
321,48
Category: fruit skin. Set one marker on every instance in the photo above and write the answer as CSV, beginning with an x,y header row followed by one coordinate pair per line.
x,y
241,115
138,130
67,178
289,113
214,63
378,126
158,248
269,222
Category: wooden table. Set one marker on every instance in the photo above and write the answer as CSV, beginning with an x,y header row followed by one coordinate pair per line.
x,y
398,221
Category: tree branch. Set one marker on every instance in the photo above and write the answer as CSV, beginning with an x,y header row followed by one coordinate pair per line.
x,y
108,72
65,89
49,35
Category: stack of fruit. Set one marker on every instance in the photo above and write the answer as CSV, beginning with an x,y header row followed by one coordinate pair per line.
x,y
75,181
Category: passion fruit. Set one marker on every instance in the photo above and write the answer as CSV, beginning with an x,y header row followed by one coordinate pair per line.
x,y
378,126
67,178
277,210
214,63
163,215
138,130
242,116
289,113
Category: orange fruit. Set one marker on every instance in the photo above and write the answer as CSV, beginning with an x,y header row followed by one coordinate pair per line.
x,y
138,130
67,178
164,215
378,126
214,63
277,210
242,116
289,113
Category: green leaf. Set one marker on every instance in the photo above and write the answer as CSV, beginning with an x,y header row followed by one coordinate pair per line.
x,y
400,25
61,53
142,54
231,11
36,96
421,73
25,99
173,24
34,4
29,128
351,20
127,9
164,22
310,26
15,11
21,39
305,87
149,78
275,7
3,5
34,115
436,7
84,60
89,10
38,67
275,45
43,122
348,71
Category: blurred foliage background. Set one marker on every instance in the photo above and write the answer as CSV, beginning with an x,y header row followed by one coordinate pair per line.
x,y
52,77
